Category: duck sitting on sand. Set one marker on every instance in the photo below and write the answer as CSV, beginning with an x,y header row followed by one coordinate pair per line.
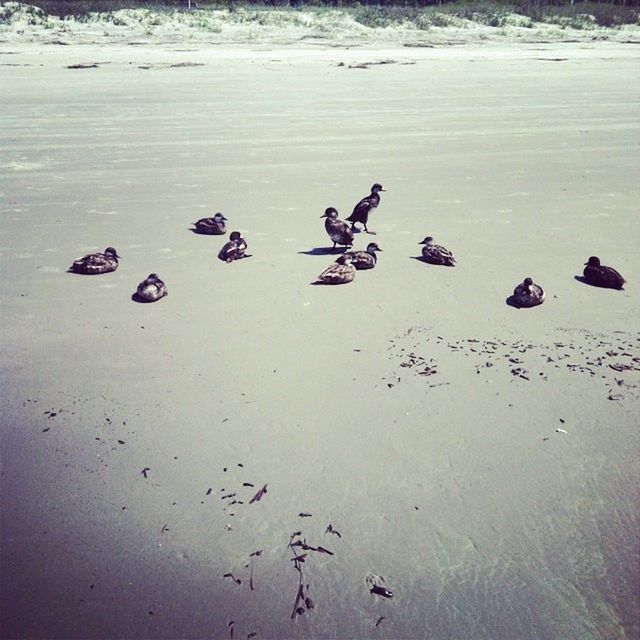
x,y
338,230
95,263
526,294
341,271
600,276
150,289
436,254
211,226
364,259
234,249
362,210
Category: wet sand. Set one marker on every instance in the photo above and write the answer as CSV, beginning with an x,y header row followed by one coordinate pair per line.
x,y
482,459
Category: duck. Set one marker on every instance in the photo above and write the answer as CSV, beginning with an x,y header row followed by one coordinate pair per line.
x,y
234,249
364,259
96,263
527,294
338,230
151,289
341,271
362,210
211,226
436,254
600,276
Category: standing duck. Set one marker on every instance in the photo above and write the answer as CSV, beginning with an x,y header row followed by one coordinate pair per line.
x,y
526,294
211,226
234,249
150,289
364,259
95,263
341,271
601,276
338,230
436,254
362,210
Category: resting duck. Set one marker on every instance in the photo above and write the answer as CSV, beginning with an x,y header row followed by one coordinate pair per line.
x,y
234,249
151,289
527,294
95,263
362,210
340,272
338,230
364,259
601,276
436,254
211,226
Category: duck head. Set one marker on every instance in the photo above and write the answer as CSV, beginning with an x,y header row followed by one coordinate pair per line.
x,y
219,217
593,262
377,187
235,235
111,253
331,212
372,247
527,282
345,259
427,240
153,276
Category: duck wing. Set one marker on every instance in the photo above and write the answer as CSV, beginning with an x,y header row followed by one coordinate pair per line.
x,y
361,210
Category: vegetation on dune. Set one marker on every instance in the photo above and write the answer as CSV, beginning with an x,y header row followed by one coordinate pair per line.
x,y
421,14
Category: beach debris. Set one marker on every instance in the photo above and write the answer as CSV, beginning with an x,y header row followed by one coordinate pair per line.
x,y
230,627
302,602
615,396
84,65
238,581
379,621
253,634
145,472
258,495
558,430
302,514
330,529
377,585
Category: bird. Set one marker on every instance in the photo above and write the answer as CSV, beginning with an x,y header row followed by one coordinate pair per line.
x,y
338,230
234,249
211,226
341,271
364,259
362,210
526,294
151,289
96,263
436,254
601,276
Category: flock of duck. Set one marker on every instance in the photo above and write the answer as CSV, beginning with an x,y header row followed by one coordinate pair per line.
x,y
343,270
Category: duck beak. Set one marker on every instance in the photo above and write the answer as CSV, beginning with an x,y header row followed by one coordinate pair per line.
x,y
383,189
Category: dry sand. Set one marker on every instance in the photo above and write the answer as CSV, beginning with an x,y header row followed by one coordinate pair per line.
x,y
412,409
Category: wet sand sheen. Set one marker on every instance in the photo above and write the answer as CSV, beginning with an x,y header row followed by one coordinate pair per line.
x,y
370,406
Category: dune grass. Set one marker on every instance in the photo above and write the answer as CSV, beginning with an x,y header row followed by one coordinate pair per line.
x,y
421,13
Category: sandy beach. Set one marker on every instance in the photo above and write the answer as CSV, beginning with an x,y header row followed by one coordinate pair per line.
x,y
479,461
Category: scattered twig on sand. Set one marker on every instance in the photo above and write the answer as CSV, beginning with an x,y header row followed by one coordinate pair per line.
x,y
379,621
145,472
302,514
258,495
230,575
302,601
330,529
